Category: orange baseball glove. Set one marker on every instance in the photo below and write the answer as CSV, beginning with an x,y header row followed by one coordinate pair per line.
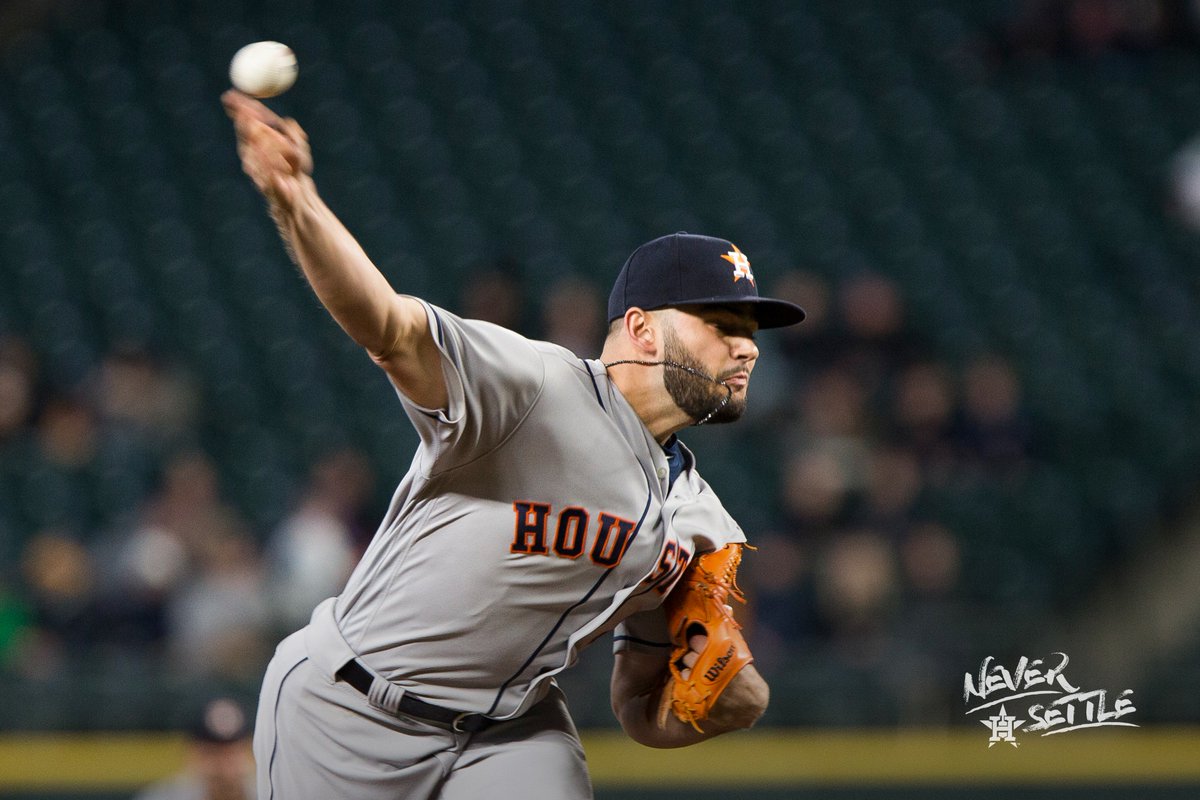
x,y
698,605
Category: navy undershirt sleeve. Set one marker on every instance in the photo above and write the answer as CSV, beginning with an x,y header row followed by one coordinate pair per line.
x,y
674,460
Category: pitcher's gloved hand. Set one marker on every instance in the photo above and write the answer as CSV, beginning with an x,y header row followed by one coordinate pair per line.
x,y
709,648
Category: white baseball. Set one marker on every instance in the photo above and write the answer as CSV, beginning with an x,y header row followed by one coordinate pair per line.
x,y
263,69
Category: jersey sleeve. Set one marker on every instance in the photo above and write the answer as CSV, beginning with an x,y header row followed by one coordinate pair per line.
x,y
493,377
701,521
645,631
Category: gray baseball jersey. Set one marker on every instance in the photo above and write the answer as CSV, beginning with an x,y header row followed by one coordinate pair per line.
x,y
536,516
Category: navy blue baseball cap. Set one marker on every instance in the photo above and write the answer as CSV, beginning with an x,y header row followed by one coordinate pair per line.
x,y
687,269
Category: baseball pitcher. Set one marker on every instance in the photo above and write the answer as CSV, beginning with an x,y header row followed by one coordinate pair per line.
x,y
549,503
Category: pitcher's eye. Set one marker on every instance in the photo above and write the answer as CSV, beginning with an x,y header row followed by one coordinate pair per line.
x,y
729,329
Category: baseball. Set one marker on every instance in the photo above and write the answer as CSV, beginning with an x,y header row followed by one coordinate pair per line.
x,y
263,69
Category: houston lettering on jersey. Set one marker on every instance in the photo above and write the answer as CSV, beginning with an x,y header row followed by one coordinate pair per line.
x,y
531,533
671,563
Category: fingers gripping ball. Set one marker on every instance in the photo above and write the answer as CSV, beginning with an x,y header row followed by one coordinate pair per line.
x,y
698,606
263,69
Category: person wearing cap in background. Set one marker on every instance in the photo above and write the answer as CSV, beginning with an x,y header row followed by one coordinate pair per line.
x,y
549,503
219,763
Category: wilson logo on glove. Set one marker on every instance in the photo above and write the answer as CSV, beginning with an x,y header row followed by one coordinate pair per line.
x,y
714,671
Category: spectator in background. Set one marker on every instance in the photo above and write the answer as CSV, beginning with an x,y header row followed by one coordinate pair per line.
x,y
18,382
218,622
571,315
312,553
59,580
58,475
815,495
931,562
219,764
67,434
932,629
156,555
923,415
135,392
893,489
495,293
811,345
784,605
835,419
995,431
874,339
857,585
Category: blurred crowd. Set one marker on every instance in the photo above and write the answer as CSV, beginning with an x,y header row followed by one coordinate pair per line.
x,y
861,569
137,552
118,537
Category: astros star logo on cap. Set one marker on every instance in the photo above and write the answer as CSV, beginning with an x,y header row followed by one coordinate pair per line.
x,y
741,264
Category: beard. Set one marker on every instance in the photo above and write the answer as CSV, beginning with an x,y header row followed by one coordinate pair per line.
x,y
694,395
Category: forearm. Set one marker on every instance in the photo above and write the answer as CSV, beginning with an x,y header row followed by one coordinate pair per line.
x,y
638,716
347,283
639,682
